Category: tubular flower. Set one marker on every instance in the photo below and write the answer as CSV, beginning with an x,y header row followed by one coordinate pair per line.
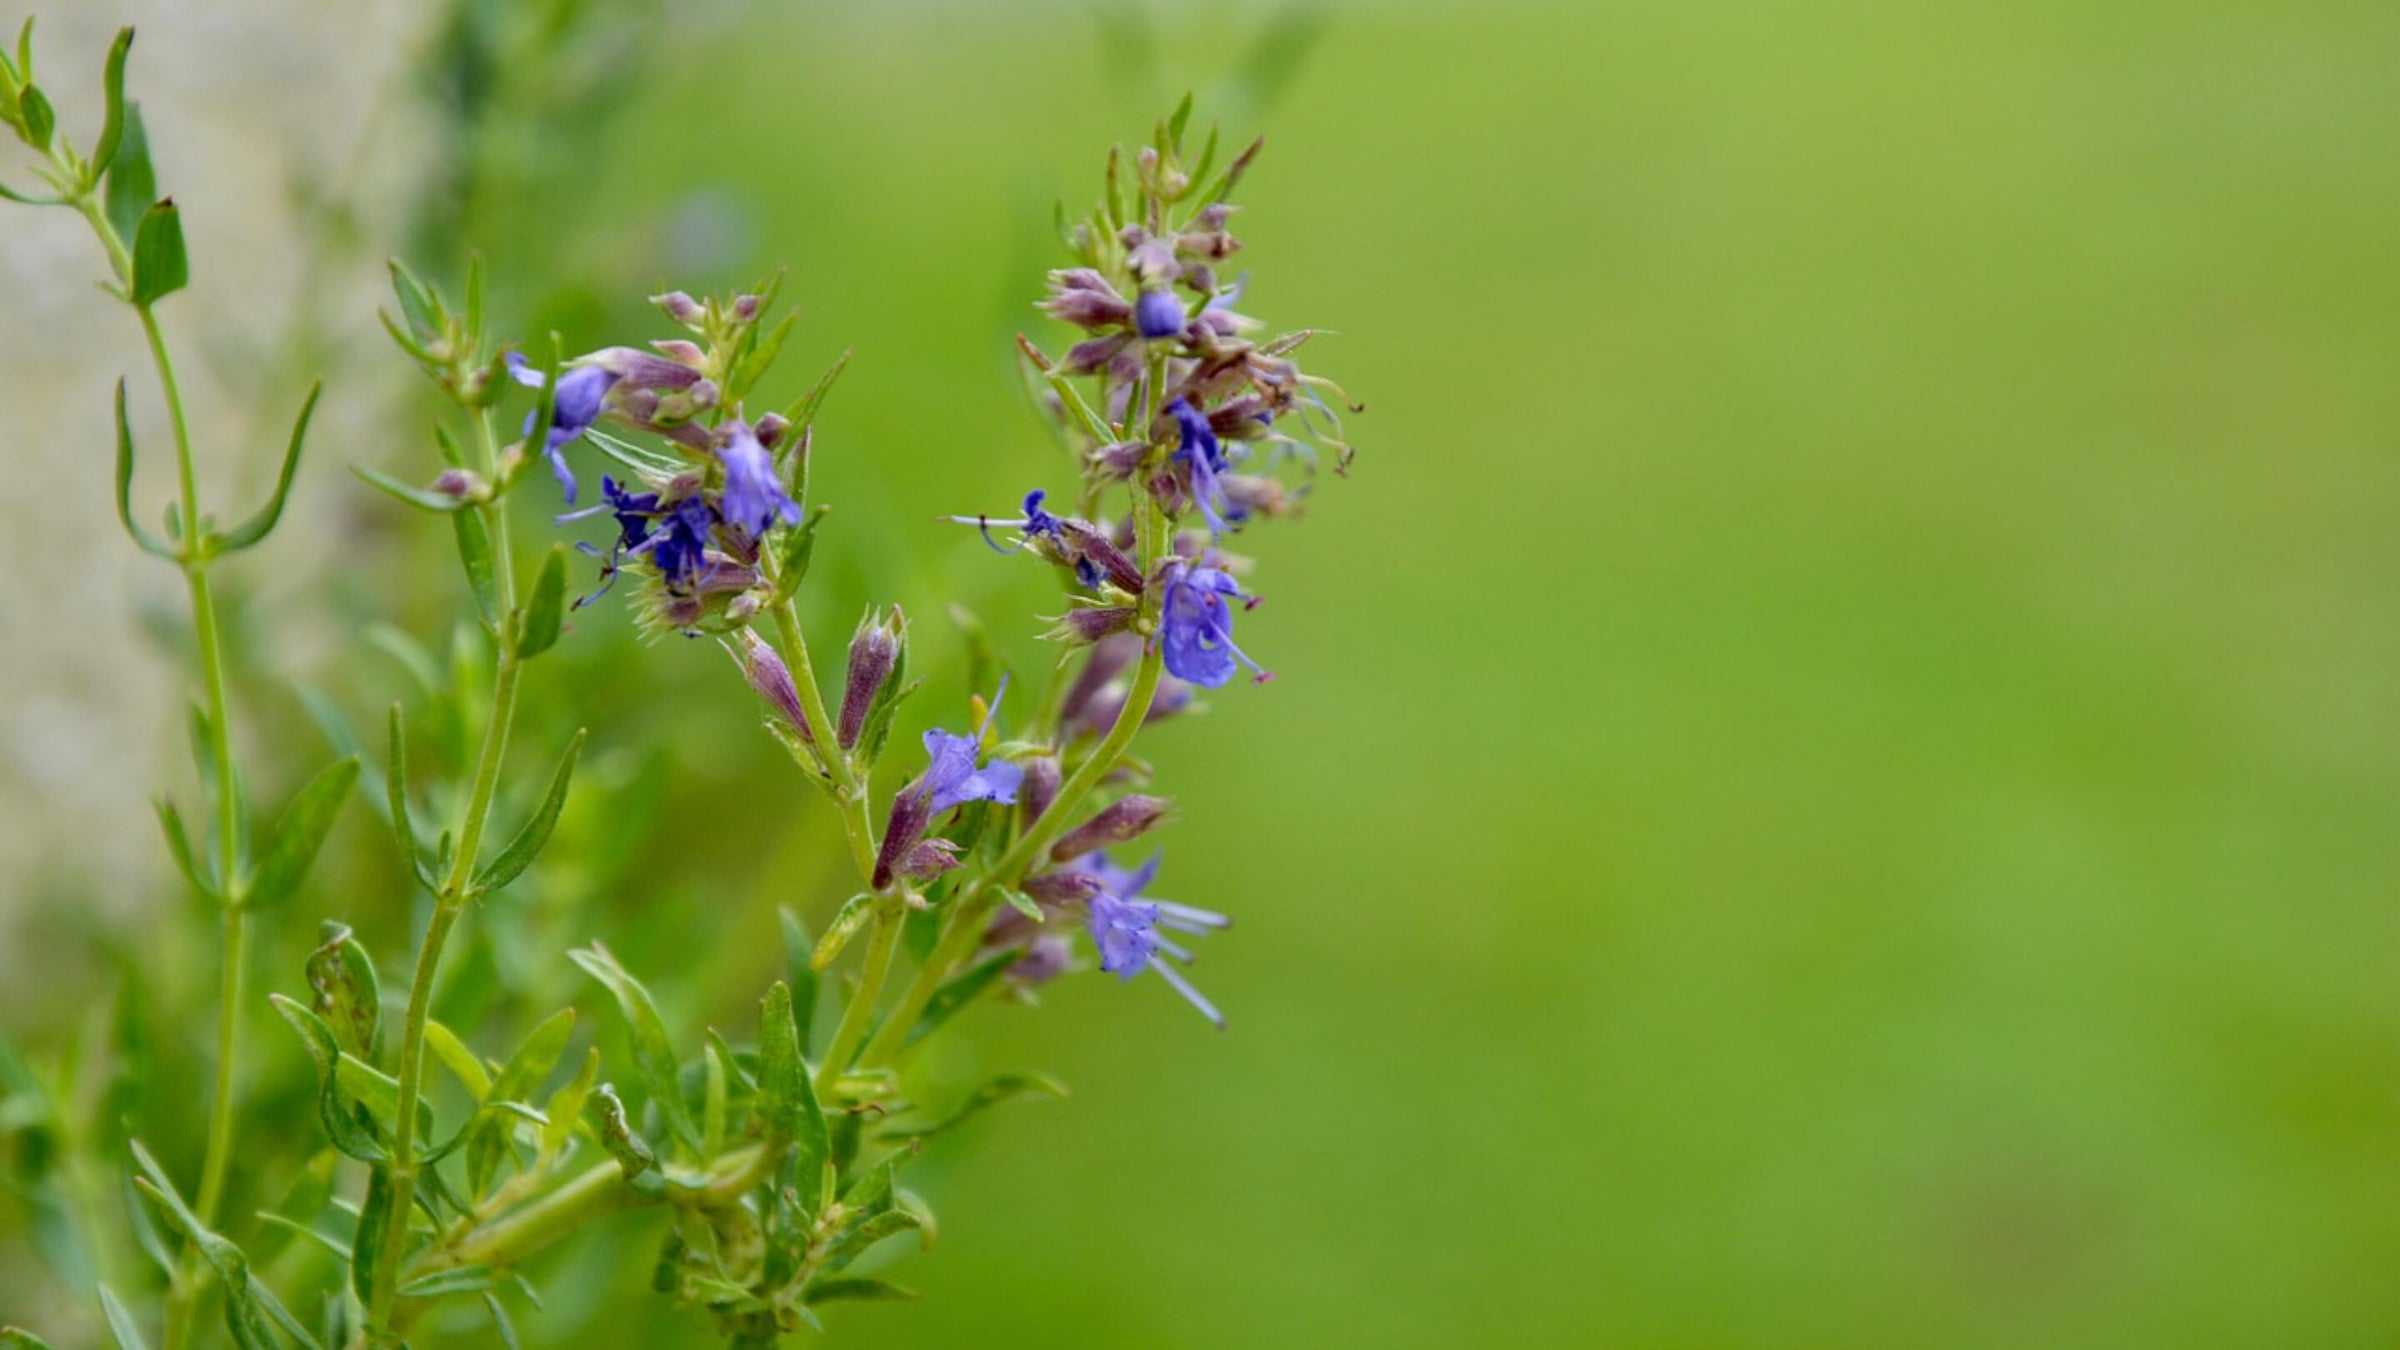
x,y
581,393
1130,931
1196,625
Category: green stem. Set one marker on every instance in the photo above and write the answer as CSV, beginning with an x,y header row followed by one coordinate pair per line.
x,y
448,905
592,1195
882,944
217,1156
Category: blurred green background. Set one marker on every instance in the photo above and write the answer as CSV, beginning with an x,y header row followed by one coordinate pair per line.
x,y
1836,772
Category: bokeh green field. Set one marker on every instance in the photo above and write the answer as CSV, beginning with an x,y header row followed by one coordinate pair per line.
x,y
1836,772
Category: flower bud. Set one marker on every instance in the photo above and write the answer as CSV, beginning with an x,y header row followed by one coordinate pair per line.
x,y
1089,625
771,680
1083,297
680,307
1039,788
1047,956
462,485
927,860
1062,888
911,810
745,308
681,352
1109,659
874,650
1157,315
1121,820
770,430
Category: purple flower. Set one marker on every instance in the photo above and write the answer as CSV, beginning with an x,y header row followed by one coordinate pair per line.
x,y
954,776
581,392
1128,929
754,500
1196,625
672,536
1065,540
1202,456
1156,315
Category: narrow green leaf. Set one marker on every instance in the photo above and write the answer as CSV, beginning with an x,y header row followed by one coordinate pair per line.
x,y
18,1338
516,1081
347,994
852,916
129,186
856,1289
179,843
332,1246
460,1060
538,631
565,1107
142,538
786,1097
299,834
653,1055
37,117
530,839
395,787
797,951
803,413
418,303
160,267
475,554
1007,1087
500,1322
112,92
958,991
456,1280
261,525
890,1223
121,1325
374,1217
1176,123
336,1111
425,499
712,1101
794,548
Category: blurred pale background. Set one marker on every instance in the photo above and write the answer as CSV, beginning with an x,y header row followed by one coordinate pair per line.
x,y
1836,775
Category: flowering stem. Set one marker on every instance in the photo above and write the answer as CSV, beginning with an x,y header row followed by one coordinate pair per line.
x,y
592,1195
882,943
448,905
851,792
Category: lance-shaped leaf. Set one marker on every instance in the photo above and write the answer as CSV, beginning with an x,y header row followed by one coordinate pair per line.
x,y
261,525
456,1280
461,1061
793,550
475,555
537,632
422,498
653,1055
112,93
244,1317
130,185
852,916
128,1333
1006,1087
855,1244
958,991
142,538
395,788
530,839
299,834
635,1158
179,843
487,1143
347,995
374,1224
343,1128
787,1099
797,953
18,1338
36,116
565,1106
856,1289
160,267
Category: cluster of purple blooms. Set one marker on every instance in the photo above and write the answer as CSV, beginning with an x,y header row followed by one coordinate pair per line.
x,y
1196,409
